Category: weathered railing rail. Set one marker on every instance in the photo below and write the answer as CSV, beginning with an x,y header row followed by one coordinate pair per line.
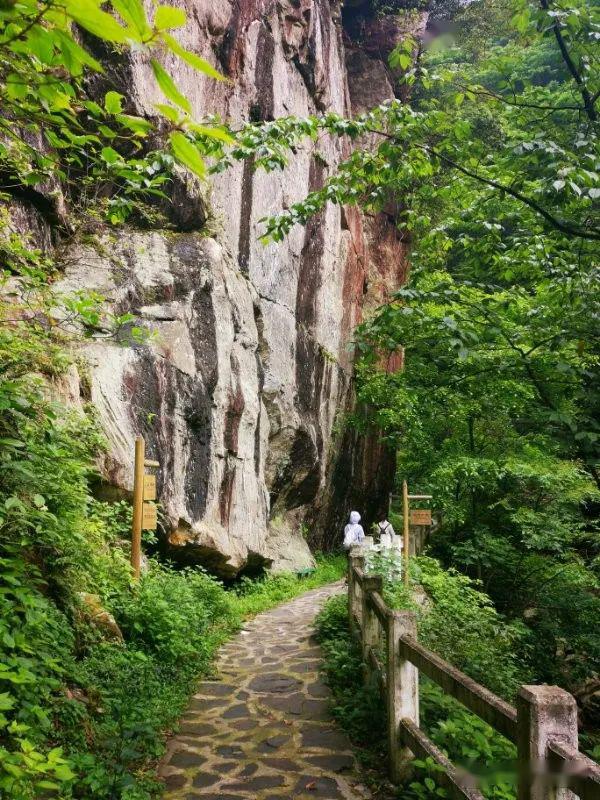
x,y
543,726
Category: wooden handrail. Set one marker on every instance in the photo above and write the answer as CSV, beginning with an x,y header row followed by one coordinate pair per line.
x,y
490,708
458,785
378,669
544,721
378,605
581,774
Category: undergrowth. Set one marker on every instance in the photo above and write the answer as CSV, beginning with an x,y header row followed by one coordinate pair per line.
x,y
459,623
85,713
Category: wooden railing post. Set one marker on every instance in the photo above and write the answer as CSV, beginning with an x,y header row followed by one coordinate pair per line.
x,y
402,690
355,561
370,623
543,713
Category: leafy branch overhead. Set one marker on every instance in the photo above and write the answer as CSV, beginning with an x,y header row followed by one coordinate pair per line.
x,y
52,129
485,124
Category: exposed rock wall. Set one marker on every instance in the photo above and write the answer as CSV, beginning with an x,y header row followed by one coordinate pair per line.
x,y
243,390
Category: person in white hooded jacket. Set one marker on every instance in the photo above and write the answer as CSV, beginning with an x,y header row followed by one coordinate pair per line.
x,y
353,532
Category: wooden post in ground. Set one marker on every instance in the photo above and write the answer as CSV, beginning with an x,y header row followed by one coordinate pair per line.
x,y
354,604
370,623
543,713
402,690
405,532
138,507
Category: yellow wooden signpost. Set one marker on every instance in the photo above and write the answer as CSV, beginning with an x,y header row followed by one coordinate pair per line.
x,y
419,516
149,487
144,512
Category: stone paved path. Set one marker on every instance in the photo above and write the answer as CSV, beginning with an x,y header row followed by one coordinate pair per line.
x,y
263,730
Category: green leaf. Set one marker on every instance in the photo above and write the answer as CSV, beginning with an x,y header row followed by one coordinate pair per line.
x,y
521,20
212,133
402,60
63,772
113,102
169,17
137,125
185,152
88,14
169,112
110,156
134,15
168,88
93,108
16,89
40,43
191,58
74,54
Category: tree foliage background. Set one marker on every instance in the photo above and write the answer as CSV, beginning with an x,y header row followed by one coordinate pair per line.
x,y
497,409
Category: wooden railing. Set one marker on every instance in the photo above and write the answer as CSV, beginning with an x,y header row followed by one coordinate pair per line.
x,y
543,726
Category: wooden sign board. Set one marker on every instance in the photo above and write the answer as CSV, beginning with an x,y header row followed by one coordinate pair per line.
x,y
420,516
149,517
149,487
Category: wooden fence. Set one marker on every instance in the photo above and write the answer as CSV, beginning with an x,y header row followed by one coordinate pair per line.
x,y
543,726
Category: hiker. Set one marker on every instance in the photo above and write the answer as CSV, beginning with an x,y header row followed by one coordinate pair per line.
x,y
387,534
353,532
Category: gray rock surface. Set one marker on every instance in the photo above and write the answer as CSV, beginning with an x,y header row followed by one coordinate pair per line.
x,y
242,391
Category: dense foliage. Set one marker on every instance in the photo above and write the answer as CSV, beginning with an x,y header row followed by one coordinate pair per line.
x,y
54,129
496,411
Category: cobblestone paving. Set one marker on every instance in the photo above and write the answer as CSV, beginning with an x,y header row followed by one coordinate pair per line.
x,y
263,730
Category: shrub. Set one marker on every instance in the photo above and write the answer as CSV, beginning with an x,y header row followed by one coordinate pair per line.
x,y
356,707
464,628
170,613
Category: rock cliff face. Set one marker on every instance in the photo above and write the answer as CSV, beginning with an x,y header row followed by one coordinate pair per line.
x,y
242,393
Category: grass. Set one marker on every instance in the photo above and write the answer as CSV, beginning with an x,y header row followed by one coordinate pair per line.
x,y
254,596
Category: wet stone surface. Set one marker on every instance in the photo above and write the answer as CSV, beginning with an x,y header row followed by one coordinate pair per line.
x,y
279,741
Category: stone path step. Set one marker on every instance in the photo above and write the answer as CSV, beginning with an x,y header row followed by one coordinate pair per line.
x,y
263,731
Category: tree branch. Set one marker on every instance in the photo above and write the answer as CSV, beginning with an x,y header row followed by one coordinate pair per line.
x,y
563,227
588,100
483,92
